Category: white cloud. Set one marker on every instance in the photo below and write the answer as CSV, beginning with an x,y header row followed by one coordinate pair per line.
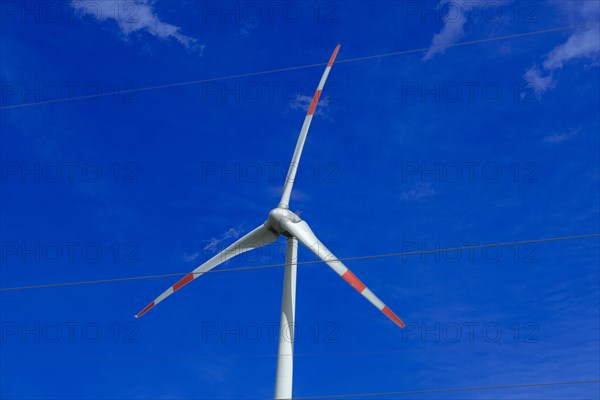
x,y
232,233
456,16
247,27
214,243
585,44
297,194
538,83
133,16
418,192
303,103
190,257
582,44
560,137
454,29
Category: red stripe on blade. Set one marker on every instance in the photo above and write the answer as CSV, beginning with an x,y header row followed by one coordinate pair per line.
x,y
353,281
145,310
392,316
183,281
313,104
333,56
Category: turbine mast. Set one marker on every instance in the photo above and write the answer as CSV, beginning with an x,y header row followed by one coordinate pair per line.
x,y
285,354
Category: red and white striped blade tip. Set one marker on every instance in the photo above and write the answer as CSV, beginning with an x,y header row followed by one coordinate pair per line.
x,y
145,310
172,289
334,55
390,314
361,288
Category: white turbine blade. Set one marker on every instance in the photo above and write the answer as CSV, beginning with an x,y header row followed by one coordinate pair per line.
x,y
259,237
304,234
291,175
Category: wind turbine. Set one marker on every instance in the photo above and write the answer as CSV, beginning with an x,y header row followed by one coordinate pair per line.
x,y
282,221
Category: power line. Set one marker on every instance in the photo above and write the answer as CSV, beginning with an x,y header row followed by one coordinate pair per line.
x,y
271,71
374,256
470,42
524,385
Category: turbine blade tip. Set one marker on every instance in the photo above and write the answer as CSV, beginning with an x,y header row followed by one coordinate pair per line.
x,y
390,314
145,310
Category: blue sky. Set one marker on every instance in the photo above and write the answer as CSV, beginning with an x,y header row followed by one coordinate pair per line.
x,y
490,142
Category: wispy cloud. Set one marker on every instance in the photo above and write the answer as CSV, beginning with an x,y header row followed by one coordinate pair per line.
x,y
538,83
303,103
190,257
297,194
247,27
582,44
134,16
454,19
585,44
214,243
418,192
560,137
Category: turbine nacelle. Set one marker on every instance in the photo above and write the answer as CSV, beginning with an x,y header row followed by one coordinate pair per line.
x,y
279,216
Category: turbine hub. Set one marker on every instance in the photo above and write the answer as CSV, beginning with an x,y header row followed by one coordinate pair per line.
x,y
278,215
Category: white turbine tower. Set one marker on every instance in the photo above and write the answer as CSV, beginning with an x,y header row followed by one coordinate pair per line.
x,y
282,221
